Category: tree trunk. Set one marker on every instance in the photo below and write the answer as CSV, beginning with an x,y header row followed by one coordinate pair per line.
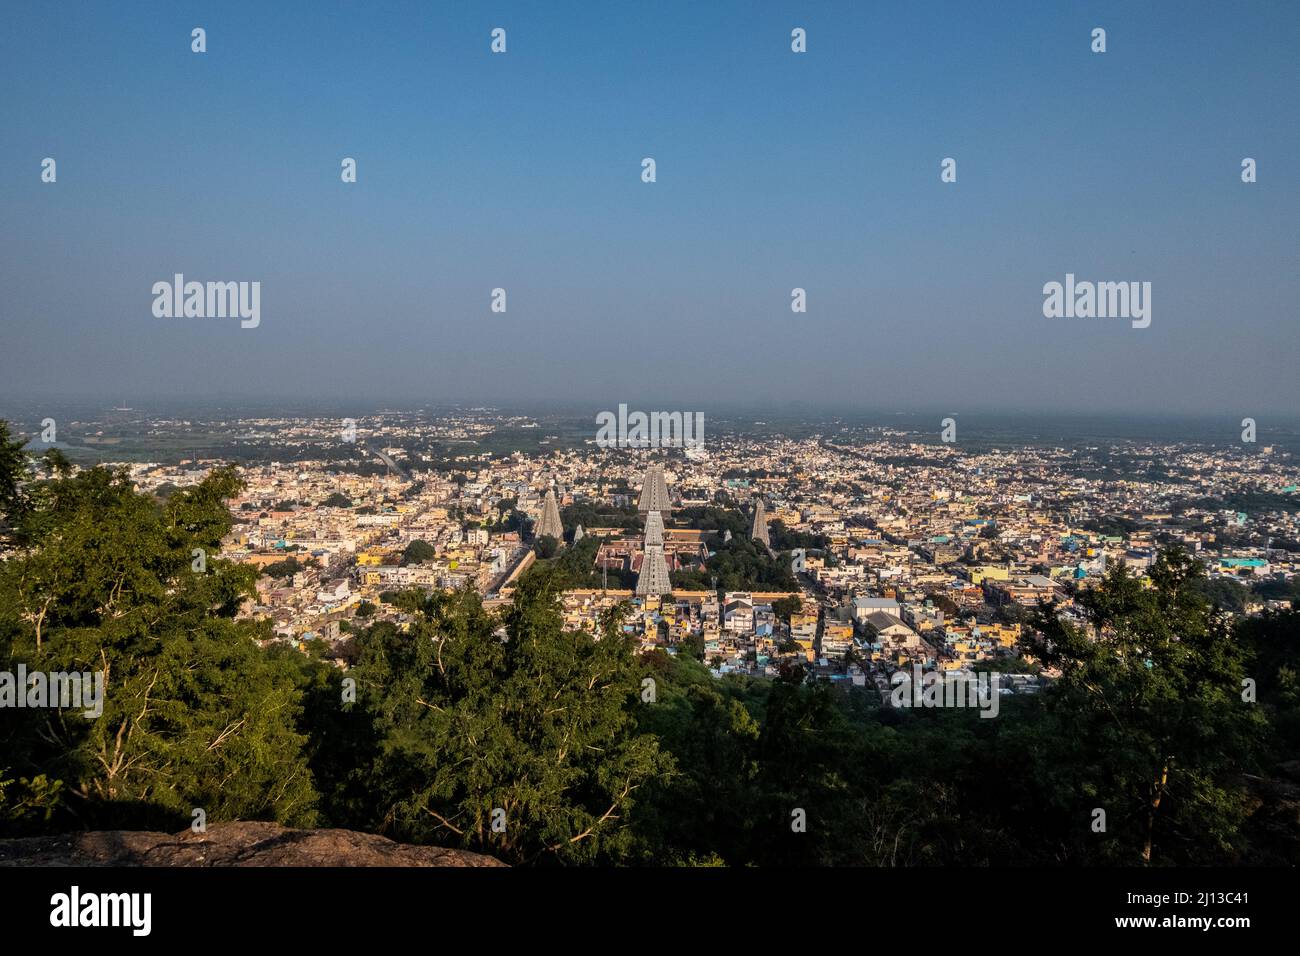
x,y
1157,791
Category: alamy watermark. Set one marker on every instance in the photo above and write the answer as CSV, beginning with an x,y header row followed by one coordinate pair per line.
x,y
1101,300
75,908
951,689
59,689
208,300
653,430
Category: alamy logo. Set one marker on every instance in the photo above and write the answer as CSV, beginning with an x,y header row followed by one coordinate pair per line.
x,y
58,689
75,908
655,430
1101,300
953,689
208,300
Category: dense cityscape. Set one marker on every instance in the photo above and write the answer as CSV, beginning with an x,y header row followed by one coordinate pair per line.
x,y
853,552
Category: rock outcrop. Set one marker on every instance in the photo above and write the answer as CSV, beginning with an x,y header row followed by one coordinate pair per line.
x,y
229,844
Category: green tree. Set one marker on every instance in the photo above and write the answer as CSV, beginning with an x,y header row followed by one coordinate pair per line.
x,y
14,465
1147,720
786,607
537,725
194,713
707,808
943,603
56,463
1225,593
418,552
282,569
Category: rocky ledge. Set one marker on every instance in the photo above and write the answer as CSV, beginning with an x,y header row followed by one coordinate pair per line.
x,y
229,844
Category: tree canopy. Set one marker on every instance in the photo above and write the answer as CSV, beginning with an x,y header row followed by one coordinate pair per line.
x,y
195,715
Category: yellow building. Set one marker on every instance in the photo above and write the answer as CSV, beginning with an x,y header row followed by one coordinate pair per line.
x,y
1005,635
838,631
989,572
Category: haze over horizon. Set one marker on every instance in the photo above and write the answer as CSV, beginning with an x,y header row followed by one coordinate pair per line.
x,y
774,171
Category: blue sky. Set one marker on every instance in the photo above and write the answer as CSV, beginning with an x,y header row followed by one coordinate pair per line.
x,y
775,170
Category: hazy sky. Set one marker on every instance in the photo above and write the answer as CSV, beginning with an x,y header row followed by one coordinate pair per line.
x,y
775,170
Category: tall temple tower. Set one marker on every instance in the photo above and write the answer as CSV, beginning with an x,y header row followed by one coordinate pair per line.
x,y
654,492
758,530
653,579
550,522
654,529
